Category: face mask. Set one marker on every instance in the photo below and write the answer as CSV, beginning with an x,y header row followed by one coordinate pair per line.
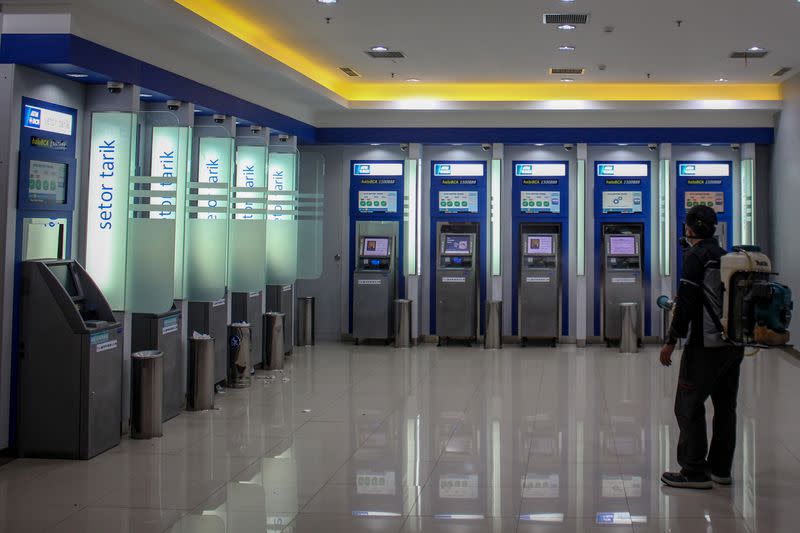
x,y
684,240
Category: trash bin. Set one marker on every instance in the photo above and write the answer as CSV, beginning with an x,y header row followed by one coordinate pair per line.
x,y
273,354
629,318
200,393
239,355
147,389
492,338
402,323
305,321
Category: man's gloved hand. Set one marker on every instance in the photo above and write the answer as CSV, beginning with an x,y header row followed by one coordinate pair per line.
x,y
666,354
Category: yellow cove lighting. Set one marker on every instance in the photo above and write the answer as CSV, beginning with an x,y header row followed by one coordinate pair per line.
x,y
241,25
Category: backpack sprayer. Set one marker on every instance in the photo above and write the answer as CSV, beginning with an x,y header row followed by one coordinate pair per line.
x,y
755,310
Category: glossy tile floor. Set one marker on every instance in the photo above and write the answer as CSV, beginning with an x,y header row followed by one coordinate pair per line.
x,y
430,439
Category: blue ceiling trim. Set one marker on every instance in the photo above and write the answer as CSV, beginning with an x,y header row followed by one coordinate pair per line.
x,y
41,50
545,135
59,53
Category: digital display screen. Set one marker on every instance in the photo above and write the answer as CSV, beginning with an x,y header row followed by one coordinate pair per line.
x,y
540,201
622,245
622,201
458,260
375,247
63,274
539,245
47,182
715,200
377,201
458,201
457,245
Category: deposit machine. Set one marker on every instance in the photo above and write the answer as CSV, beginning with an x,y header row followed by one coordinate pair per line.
x,y
457,281
539,282
374,288
622,276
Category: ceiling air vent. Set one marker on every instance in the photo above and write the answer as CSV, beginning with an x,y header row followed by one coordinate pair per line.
x,y
350,72
565,18
561,71
388,54
748,55
781,71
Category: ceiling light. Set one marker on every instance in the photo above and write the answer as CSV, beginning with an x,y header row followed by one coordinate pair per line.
x,y
622,144
570,1
566,27
755,49
77,75
722,80
539,144
374,144
413,80
705,144
327,1
145,95
567,80
570,48
379,48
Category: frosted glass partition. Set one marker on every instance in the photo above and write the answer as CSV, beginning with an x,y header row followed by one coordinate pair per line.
x,y
311,203
247,229
282,219
150,260
206,240
170,157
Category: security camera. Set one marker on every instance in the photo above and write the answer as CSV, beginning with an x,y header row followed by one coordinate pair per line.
x,y
115,87
652,147
255,129
283,138
219,119
569,147
174,105
735,147
404,147
486,147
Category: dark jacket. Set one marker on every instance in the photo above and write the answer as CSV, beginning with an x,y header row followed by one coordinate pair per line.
x,y
699,295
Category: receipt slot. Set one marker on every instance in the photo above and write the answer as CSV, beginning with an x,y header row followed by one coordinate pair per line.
x,y
539,287
622,276
457,281
374,288
70,364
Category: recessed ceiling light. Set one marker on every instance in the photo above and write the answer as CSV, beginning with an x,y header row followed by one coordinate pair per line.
x,y
570,48
327,1
145,95
413,80
567,80
379,48
77,75
566,27
755,49
570,1
722,80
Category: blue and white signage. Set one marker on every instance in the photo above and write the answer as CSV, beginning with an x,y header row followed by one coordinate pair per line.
x,y
540,169
623,169
704,169
43,119
377,169
459,169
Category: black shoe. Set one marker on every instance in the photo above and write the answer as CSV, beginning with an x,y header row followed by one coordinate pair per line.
x,y
721,480
680,481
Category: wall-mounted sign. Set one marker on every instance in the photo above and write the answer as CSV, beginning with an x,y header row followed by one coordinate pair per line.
x,y
715,200
377,201
459,169
164,163
622,202
251,173
540,201
622,169
57,145
458,201
704,169
215,166
111,165
43,119
540,169
378,169
282,176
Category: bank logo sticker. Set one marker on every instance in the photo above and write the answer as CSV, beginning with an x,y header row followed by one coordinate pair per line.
x,y
39,118
105,346
362,170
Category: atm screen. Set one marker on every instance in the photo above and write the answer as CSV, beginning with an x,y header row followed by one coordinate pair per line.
x,y
47,182
65,277
457,245
714,200
624,245
375,247
539,245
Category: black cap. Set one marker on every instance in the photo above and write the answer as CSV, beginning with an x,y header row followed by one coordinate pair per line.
x,y
703,221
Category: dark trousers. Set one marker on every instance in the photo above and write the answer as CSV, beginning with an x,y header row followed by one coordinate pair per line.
x,y
704,373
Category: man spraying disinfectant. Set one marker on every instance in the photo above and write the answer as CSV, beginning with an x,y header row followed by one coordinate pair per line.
x,y
729,302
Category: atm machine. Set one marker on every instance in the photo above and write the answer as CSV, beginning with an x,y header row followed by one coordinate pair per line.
x,y
246,307
539,303
374,288
457,280
211,318
622,276
280,299
163,332
70,364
